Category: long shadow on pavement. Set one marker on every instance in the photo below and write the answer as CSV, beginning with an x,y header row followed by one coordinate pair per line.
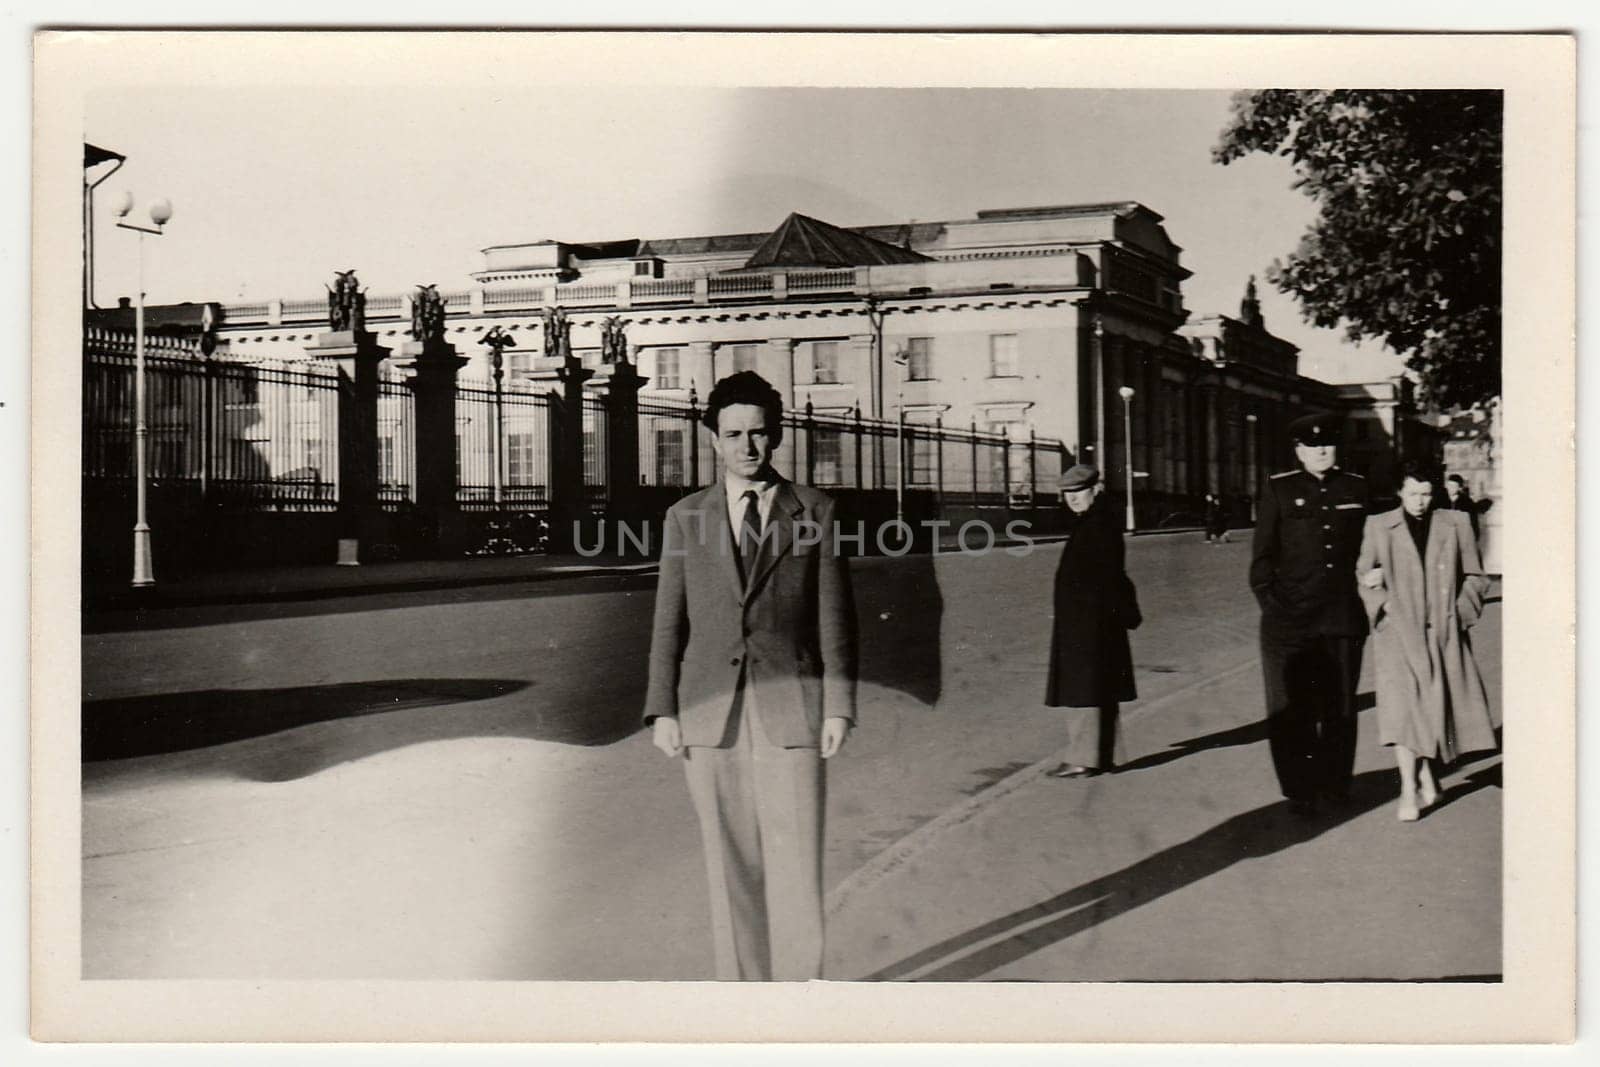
x,y
1250,835
125,727
1248,734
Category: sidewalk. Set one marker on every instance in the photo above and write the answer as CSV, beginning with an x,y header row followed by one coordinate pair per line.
x,y
1187,866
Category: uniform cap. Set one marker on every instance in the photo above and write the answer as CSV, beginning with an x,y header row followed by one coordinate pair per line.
x,y
1079,476
1315,430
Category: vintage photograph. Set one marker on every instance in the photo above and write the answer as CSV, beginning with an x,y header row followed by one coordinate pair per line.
x,y
576,531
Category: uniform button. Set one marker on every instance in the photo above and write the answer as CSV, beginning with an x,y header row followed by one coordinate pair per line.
x,y
734,661
1328,565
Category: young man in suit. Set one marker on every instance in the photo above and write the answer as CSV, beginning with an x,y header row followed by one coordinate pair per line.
x,y
752,683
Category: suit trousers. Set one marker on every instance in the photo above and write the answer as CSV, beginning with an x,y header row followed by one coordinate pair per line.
x,y
760,808
1311,710
1092,737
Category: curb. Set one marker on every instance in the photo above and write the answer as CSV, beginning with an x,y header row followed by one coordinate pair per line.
x,y
158,598
918,840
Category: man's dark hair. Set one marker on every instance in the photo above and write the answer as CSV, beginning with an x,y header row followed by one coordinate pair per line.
x,y
1462,482
1420,470
745,387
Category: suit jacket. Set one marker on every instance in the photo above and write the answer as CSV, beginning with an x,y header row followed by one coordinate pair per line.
x,y
788,631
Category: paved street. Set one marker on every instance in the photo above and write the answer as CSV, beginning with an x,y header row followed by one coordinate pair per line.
x,y
447,783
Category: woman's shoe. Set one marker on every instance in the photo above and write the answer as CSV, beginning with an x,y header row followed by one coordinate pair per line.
x,y
1427,795
1408,810
1072,770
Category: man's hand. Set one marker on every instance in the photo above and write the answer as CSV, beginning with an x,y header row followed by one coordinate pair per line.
x,y
668,736
1373,579
834,730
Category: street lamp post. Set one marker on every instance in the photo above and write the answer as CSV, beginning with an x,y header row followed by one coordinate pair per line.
x,y
498,341
143,568
1127,445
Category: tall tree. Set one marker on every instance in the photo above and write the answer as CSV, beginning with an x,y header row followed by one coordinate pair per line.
x,y
1406,246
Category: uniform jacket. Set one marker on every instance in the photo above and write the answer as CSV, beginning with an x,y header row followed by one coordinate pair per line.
x,y
789,630
1431,697
1302,560
1090,662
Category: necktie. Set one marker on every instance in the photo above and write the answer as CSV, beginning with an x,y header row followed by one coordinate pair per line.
x,y
750,533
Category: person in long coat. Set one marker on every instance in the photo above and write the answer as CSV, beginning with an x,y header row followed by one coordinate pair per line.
x,y
1422,584
1091,666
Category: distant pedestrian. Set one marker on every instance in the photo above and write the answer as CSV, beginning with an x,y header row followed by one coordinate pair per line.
x,y
1091,666
1460,499
1423,585
1302,570
1216,520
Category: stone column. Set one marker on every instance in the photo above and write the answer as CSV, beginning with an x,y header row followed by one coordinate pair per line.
x,y
566,455
356,354
1213,478
700,370
622,443
779,363
431,368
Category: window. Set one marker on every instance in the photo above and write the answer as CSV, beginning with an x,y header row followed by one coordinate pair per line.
x,y
924,454
643,268
387,472
667,363
742,357
518,364
520,469
919,358
1007,466
669,457
827,459
1003,355
825,362
313,454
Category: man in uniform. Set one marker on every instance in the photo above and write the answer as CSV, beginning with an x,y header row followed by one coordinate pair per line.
x,y
1302,570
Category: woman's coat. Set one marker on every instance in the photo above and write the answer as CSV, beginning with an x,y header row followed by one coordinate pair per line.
x,y
1090,663
1431,698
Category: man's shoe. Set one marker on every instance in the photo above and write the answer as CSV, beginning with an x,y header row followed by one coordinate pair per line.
x,y
1072,770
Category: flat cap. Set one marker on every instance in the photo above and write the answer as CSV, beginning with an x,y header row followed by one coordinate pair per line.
x,y
1315,430
1079,476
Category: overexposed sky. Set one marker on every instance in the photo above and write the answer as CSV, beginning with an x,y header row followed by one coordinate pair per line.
x,y
275,187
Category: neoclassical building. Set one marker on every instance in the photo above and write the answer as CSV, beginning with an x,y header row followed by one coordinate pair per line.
x,y
1021,320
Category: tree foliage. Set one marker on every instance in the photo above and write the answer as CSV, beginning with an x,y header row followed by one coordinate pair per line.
x,y
1406,246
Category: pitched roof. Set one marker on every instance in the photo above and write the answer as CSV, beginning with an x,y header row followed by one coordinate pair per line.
x,y
802,241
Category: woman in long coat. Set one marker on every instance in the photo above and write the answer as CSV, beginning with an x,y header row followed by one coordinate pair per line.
x,y
1422,582
1091,667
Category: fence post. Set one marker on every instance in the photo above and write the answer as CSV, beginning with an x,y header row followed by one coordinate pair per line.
x,y
1005,472
431,368
1033,468
356,355
566,481
974,463
622,442
811,438
859,485
694,438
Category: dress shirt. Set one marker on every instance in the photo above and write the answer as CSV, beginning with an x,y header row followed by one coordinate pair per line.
x,y
736,486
